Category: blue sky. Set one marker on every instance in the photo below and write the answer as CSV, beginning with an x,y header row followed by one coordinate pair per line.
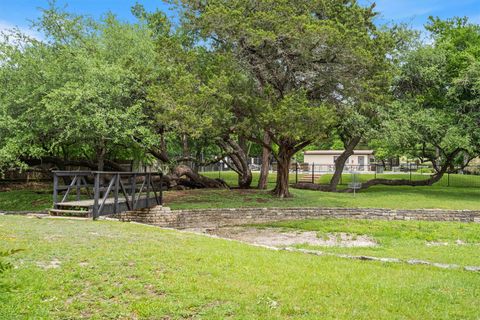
x,y
416,12
413,12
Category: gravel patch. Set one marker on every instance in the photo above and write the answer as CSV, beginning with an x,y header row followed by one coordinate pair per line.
x,y
54,264
280,238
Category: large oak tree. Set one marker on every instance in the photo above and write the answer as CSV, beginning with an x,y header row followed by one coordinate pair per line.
x,y
306,56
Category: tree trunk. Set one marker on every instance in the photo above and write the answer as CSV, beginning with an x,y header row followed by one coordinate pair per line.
x,y
239,161
245,177
284,158
183,175
403,182
266,153
245,180
387,182
440,172
100,153
340,163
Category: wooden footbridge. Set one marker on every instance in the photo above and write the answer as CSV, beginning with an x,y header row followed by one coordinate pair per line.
x,y
98,193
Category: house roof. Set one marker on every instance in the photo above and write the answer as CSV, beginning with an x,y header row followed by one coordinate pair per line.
x,y
337,152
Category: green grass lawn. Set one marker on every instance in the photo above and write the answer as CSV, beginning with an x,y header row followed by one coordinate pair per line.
x,y
25,200
441,242
403,197
375,197
110,270
29,200
455,180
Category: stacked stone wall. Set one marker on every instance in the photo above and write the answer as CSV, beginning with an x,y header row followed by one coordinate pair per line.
x,y
212,218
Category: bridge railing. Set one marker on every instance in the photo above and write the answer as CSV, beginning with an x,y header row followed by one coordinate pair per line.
x,y
119,191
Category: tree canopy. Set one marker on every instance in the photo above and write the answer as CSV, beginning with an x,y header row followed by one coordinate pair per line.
x,y
77,95
308,59
234,76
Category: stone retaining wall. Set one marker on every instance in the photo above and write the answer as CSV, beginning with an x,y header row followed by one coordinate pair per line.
x,y
211,218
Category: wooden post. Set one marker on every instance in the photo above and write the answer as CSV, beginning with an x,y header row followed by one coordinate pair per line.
x,y
148,188
161,188
55,190
134,189
116,208
78,187
96,192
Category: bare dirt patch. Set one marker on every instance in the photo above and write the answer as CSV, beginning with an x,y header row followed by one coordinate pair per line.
x,y
54,264
280,238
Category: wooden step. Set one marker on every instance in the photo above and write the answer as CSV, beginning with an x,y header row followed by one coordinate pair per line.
x,y
78,204
73,213
308,178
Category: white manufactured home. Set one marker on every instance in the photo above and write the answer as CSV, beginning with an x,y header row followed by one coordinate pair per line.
x,y
361,159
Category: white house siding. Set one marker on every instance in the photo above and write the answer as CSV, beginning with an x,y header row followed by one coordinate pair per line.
x,y
330,159
324,160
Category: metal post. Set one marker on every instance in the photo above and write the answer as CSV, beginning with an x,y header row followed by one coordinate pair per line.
x,y
220,171
410,169
296,172
55,190
117,186
313,172
96,192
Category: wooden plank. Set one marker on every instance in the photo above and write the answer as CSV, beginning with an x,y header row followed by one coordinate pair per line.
x,y
132,199
115,195
78,188
91,202
86,185
134,189
125,194
96,196
74,181
55,190
76,212
139,193
105,196
148,178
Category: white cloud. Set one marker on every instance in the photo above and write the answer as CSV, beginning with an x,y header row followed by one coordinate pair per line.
x,y
475,19
5,26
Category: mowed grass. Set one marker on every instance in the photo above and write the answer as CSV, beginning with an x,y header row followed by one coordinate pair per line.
x,y
112,270
25,200
453,180
29,200
437,196
375,197
440,242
